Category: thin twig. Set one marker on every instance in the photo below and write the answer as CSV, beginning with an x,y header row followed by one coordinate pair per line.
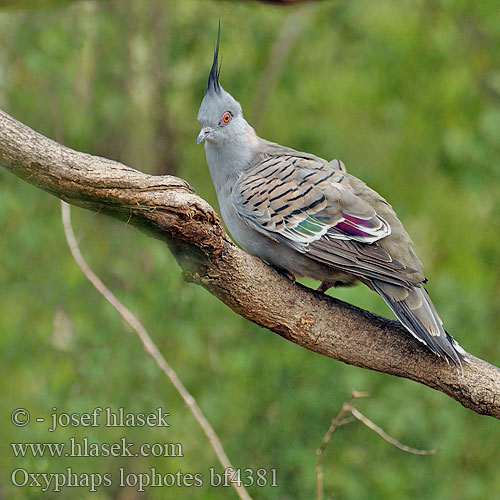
x,y
149,347
340,420
374,427
336,422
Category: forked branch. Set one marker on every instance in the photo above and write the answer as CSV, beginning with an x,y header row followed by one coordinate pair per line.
x,y
340,420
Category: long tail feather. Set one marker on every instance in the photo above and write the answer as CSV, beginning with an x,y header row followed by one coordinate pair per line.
x,y
415,311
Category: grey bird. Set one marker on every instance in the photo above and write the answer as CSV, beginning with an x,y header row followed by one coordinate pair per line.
x,y
309,217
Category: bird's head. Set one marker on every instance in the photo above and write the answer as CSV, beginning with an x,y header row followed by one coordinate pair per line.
x,y
220,114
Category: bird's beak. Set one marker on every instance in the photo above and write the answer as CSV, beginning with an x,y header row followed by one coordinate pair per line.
x,y
204,133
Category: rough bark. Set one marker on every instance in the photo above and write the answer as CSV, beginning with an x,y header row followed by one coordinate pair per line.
x,y
168,208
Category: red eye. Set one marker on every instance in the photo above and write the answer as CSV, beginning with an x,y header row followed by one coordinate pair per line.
x,y
226,118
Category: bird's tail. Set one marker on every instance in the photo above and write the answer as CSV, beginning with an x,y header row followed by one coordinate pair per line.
x,y
417,313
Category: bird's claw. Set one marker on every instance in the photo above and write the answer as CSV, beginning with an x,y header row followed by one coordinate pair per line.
x,y
325,285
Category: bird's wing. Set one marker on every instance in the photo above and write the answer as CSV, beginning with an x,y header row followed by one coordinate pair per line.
x,y
309,205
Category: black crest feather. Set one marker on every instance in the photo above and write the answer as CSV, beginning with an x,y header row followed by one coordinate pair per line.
x,y
213,78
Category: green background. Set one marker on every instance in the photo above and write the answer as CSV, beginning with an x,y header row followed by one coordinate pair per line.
x,y
406,93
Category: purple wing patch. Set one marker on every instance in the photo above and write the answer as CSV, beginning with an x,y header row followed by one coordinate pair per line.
x,y
365,230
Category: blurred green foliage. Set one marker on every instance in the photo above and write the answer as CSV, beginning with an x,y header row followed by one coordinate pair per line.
x,y
407,93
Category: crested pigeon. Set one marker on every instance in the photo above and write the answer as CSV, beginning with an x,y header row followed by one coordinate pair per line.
x,y
309,217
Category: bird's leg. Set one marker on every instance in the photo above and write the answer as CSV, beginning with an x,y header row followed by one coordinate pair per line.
x,y
288,274
325,285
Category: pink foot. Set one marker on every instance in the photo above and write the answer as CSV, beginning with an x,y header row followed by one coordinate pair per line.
x,y
325,285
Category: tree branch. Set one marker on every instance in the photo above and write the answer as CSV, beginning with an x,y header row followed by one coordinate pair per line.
x,y
168,208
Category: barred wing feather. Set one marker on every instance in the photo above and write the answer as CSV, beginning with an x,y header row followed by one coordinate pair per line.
x,y
310,206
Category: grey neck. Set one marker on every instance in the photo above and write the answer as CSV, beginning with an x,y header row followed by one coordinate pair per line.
x,y
228,160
